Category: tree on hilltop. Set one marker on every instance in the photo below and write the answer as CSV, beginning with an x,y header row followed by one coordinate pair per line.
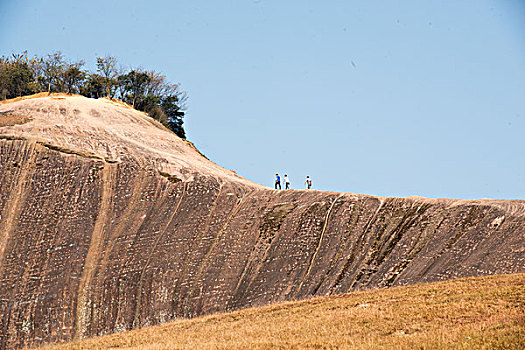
x,y
74,77
133,86
107,68
15,76
93,86
53,68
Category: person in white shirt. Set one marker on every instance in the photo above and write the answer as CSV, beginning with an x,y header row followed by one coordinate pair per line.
x,y
308,182
286,182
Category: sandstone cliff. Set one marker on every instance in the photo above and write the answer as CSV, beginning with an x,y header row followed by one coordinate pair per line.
x,y
110,222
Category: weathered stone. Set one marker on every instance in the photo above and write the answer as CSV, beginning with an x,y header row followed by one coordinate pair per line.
x,y
109,222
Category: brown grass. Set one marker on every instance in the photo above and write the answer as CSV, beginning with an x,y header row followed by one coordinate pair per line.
x,y
10,119
118,102
62,95
38,95
475,313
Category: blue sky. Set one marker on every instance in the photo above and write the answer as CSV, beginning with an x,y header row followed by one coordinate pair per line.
x,y
392,98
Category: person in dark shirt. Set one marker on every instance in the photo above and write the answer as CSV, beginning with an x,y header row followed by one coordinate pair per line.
x,y
308,182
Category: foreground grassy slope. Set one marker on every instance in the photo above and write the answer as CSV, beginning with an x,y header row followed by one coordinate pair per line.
x,y
474,313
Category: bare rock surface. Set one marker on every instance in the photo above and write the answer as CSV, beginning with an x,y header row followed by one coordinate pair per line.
x,y
110,222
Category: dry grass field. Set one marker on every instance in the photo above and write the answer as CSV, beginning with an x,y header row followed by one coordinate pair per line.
x,y
474,313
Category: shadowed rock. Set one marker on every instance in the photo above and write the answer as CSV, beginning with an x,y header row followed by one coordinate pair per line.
x,y
110,222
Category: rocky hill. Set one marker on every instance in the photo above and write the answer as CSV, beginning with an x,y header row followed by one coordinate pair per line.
x,y
109,222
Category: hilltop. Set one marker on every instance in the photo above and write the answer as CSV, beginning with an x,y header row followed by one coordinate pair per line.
x,y
105,129
110,222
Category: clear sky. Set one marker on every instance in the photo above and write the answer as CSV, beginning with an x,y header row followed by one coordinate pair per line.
x,y
392,98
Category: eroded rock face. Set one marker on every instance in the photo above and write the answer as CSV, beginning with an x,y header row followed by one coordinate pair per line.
x,y
103,231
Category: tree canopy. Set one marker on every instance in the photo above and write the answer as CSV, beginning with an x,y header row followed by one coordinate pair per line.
x,y
145,90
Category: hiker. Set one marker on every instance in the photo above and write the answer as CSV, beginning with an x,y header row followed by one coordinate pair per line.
x,y
277,181
308,182
286,182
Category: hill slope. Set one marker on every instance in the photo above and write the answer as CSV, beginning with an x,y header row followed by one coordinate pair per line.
x,y
109,222
476,313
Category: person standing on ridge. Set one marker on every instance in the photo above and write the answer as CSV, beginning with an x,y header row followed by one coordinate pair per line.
x,y
286,182
277,181
308,182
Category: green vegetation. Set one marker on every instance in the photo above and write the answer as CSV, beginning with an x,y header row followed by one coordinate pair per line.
x,y
471,313
147,91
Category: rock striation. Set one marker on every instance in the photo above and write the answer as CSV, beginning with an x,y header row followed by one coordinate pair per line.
x,y
110,222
